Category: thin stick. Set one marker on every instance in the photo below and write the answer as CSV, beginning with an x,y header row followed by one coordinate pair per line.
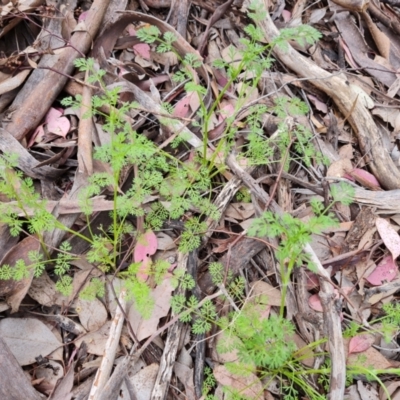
x,y
104,372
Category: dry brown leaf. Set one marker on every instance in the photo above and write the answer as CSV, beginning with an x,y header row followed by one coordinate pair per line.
x,y
92,314
338,169
165,242
346,152
230,356
381,40
394,88
240,211
249,385
142,327
183,369
63,390
144,381
305,353
373,357
44,291
366,391
16,290
392,387
264,293
28,338
96,341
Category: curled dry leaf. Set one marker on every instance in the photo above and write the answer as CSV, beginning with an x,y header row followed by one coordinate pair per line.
x,y
389,236
319,105
13,81
385,271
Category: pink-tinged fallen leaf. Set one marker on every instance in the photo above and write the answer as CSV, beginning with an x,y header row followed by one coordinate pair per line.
x,y
195,102
360,343
216,132
389,236
319,105
37,136
142,50
182,108
146,246
286,15
144,269
248,385
315,303
226,111
385,271
349,56
83,16
172,267
264,312
131,30
52,114
222,80
312,280
349,177
366,179
59,126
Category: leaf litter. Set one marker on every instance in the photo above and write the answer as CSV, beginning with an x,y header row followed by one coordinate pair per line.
x,y
358,52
